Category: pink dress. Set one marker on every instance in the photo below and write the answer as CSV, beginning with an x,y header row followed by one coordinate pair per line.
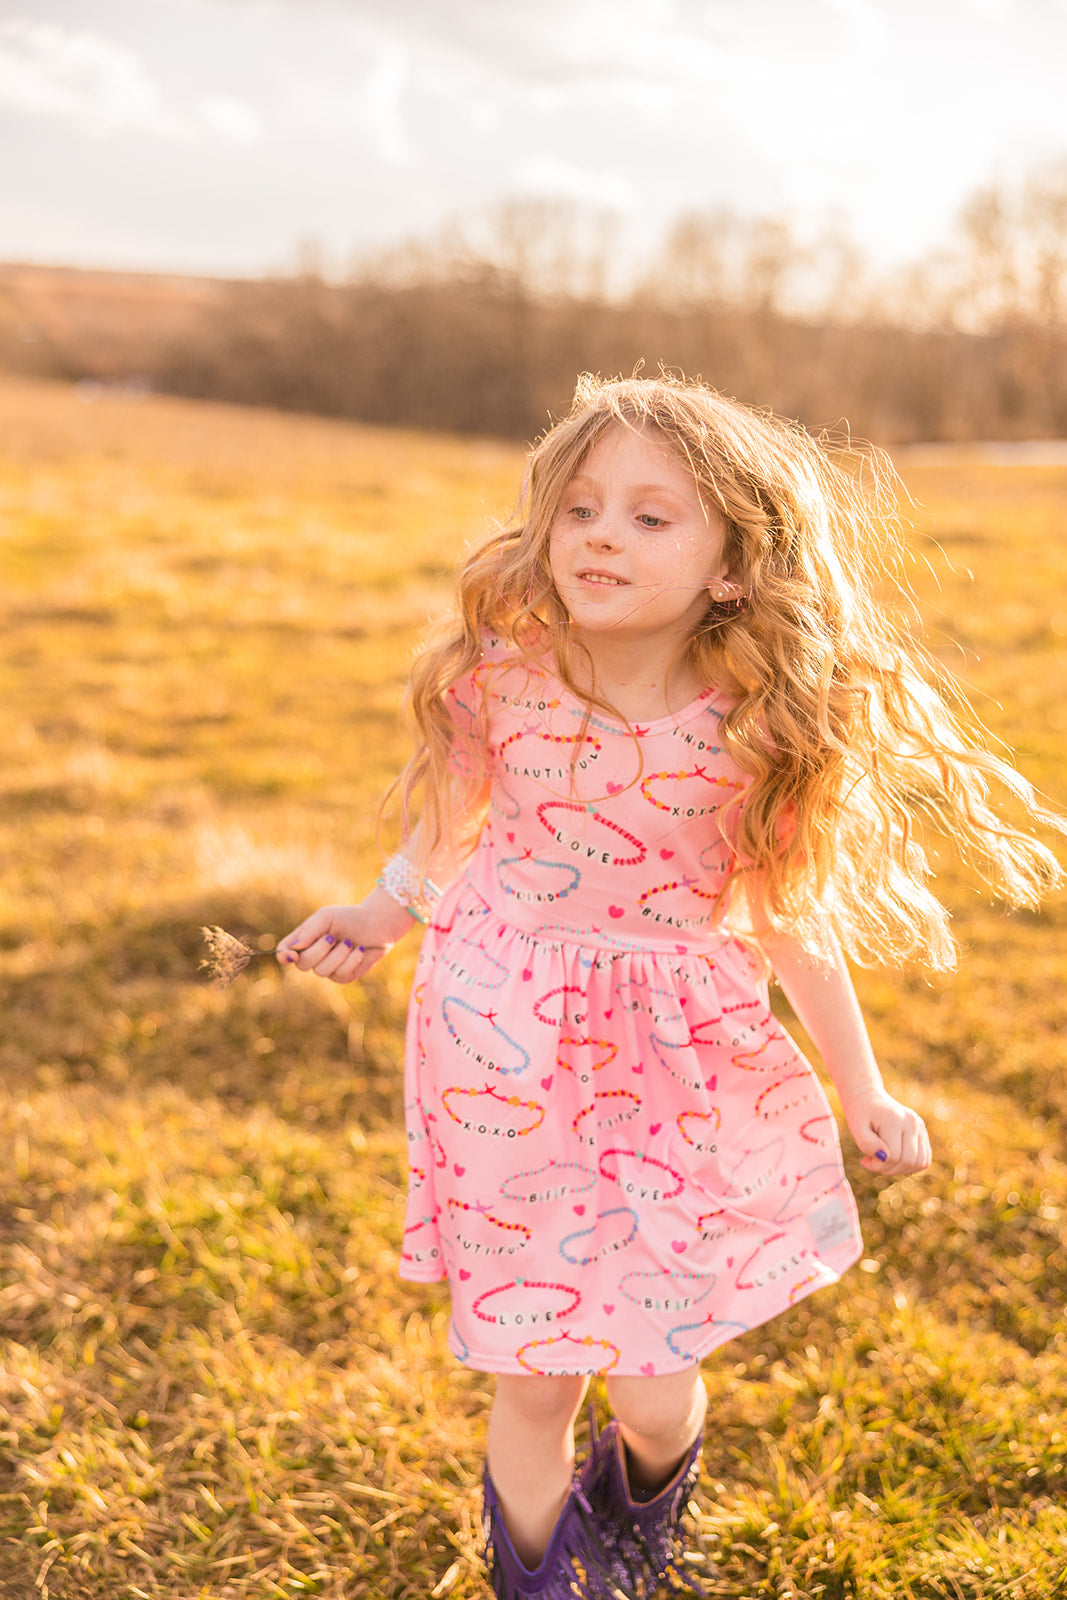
x,y
617,1156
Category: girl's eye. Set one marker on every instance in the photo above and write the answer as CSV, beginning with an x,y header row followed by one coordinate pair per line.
x,y
649,521
583,513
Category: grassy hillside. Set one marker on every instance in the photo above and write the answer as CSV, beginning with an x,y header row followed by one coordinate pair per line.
x,y
212,1384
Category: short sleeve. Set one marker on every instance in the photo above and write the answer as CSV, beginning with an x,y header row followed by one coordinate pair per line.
x,y
468,704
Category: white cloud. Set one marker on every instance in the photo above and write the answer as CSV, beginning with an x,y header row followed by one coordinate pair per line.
x,y
992,10
542,176
230,119
868,21
103,87
381,99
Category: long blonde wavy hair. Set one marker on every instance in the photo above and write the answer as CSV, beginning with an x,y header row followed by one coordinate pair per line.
x,y
849,731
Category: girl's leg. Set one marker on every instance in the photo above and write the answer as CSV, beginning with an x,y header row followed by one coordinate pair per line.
x,y
531,1456
659,1420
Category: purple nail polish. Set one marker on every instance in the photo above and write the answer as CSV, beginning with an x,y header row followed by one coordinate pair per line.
x,y
329,938
881,1155
348,944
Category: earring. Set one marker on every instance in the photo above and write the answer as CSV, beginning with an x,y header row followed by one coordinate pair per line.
x,y
727,594
720,590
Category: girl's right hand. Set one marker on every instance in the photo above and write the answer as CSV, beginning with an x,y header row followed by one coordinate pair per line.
x,y
343,943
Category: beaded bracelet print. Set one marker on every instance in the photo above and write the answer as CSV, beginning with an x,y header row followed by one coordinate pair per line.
x,y
417,895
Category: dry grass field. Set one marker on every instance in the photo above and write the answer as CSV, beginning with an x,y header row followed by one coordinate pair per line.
x,y
211,1383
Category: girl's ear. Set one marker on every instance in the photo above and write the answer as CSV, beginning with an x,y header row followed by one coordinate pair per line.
x,y
724,590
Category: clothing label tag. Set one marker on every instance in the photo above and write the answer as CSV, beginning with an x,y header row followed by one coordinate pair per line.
x,y
830,1224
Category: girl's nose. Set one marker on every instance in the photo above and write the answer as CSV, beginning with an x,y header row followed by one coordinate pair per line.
x,y
603,535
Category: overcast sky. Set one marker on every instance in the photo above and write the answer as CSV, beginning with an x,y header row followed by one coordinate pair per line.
x,y
213,135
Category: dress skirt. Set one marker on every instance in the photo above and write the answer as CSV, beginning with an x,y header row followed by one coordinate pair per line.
x,y
618,1158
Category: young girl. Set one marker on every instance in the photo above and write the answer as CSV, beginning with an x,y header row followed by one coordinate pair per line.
x,y
671,741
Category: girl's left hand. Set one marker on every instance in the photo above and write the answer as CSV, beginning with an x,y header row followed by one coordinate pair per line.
x,y
892,1137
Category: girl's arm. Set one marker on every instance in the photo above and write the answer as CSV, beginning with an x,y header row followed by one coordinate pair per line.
x,y
343,943
892,1137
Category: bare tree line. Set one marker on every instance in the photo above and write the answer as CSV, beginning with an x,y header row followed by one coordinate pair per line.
x,y
483,329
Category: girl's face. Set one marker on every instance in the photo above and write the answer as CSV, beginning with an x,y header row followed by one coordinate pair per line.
x,y
633,547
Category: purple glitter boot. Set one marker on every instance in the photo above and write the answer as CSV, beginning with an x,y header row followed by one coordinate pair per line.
x,y
575,1566
643,1536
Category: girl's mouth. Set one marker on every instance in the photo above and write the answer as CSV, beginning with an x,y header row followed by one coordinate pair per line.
x,y
601,577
